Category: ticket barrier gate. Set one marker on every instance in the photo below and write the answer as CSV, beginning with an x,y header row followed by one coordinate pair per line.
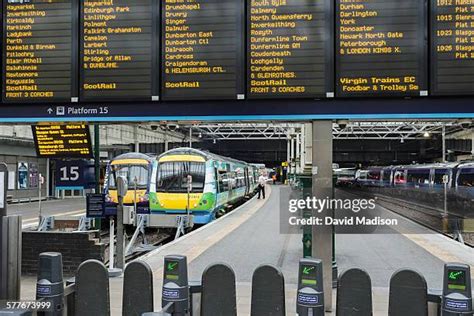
x,y
310,296
90,295
457,290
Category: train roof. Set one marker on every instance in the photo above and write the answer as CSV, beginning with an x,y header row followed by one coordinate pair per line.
x,y
134,155
205,154
466,164
438,165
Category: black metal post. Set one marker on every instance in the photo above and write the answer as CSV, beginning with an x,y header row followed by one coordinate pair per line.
x,y
98,223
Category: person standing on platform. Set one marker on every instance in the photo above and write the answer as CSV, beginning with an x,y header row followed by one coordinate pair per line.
x,y
261,186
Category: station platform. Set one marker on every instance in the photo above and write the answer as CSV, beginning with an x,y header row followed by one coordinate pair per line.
x,y
30,211
250,236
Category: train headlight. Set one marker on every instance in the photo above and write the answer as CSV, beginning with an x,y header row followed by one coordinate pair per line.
x,y
144,198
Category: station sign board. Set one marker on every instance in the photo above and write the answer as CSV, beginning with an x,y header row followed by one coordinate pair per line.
x,y
452,50
381,48
289,49
118,42
74,174
62,140
123,60
203,49
95,205
39,61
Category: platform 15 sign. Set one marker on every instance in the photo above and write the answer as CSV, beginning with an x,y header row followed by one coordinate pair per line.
x,y
70,173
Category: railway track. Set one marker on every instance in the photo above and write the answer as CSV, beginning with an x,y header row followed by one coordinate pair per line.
x,y
157,239
426,216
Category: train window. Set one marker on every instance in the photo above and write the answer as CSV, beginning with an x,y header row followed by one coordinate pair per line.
x,y
223,181
418,176
373,175
240,179
173,176
466,178
138,173
438,176
400,177
386,175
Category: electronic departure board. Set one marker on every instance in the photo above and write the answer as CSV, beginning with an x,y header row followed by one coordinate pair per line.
x,y
381,48
202,49
118,39
452,47
64,140
289,47
39,61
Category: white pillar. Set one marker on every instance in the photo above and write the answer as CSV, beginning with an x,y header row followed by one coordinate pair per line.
x,y
302,153
322,189
472,142
190,137
292,154
298,152
288,149
135,138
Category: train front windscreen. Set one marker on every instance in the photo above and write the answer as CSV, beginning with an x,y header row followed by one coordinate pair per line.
x,y
135,174
138,180
173,176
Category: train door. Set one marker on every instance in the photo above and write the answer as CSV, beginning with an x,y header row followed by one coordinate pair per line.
x,y
247,180
218,183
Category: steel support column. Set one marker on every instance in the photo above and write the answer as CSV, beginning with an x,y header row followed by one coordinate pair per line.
x,y
443,135
322,189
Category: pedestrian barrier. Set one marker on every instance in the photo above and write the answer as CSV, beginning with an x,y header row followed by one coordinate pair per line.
x,y
137,289
92,289
408,294
268,292
89,295
218,291
354,293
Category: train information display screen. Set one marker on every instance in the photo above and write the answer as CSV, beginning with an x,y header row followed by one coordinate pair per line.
x,y
202,49
381,48
62,141
289,47
452,49
118,40
38,56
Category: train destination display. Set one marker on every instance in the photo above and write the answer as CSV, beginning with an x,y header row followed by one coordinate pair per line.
x,y
38,63
62,140
202,49
381,48
289,45
117,50
452,49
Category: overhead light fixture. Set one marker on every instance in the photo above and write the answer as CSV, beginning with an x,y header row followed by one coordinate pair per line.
x,y
200,135
402,140
214,141
426,134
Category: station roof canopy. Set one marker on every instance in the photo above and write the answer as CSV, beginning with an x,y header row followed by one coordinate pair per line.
x,y
342,129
